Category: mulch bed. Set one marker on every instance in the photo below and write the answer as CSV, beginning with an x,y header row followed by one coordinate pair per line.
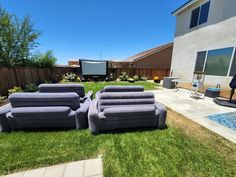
x,y
6,101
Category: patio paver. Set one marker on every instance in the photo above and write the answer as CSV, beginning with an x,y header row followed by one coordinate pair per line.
x,y
196,109
84,168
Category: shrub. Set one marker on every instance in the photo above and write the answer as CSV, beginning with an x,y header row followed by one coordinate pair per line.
x,y
14,90
136,78
118,80
46,82
45,60
143,78
107,79
2,98
131,80
111,77
124,76
78,79
69,77
32,87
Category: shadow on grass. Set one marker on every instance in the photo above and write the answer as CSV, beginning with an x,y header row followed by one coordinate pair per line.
x,y
131,130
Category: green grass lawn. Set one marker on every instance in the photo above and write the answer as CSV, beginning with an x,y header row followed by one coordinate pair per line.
x,y
96,86
183,149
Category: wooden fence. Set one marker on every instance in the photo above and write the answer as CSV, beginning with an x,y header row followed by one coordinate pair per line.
x,y
149,73
21,76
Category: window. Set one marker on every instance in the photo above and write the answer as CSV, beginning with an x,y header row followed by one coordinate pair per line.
x,y
194,17
204,13
218,61
233,66
200,61
200,15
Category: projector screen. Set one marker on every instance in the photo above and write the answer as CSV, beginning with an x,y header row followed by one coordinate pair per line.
x,y
94,67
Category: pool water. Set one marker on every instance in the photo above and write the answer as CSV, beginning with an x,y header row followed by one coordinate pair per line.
x,y
226,119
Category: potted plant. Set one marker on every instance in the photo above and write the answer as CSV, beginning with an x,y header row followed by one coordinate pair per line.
x,y
156,79
131,80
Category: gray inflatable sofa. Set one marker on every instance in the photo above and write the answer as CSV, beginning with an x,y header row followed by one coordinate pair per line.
x,y
45,110
122,107
58,88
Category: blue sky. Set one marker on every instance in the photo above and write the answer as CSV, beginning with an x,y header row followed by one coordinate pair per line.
x,y
76,29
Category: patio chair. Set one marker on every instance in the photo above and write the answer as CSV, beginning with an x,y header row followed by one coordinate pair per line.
x,y
58,88
44,110
119,110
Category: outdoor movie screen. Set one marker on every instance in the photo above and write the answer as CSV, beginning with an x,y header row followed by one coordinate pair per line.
x,y
94,67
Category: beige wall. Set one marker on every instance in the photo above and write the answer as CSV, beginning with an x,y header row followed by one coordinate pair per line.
x,y
220,10
185,50
218,32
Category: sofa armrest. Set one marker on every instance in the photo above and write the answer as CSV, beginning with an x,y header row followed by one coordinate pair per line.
x,y
93,119
88,95
4,125
162,115
82,115
97,94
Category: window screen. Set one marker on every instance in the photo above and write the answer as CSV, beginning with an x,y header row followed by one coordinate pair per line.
x,y
204,13
194,17
218,61
200,61
233,67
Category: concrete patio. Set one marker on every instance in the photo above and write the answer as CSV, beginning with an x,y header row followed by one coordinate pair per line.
x,y
85,168
196,109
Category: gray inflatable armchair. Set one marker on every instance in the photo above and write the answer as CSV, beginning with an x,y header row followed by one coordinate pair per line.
x,y
121,110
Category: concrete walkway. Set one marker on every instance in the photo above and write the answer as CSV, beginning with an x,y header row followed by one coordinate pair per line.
x,y
85,168
196,109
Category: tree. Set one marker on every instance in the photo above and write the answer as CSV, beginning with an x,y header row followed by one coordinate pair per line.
x,y
17,39
45,60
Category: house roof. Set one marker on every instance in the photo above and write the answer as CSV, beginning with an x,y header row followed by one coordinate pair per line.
x,y
149,52
184,6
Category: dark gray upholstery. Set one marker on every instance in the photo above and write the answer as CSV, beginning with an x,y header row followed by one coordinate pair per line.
x,y
62,88
52,88
121,89
112,99
125,110
44,110
71,99
4,125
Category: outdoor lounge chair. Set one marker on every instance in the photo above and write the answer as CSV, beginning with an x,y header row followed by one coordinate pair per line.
x,y
118,110
44,110
58,88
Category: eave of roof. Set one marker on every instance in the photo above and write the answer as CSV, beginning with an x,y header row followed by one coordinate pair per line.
x,y
149,52
184,6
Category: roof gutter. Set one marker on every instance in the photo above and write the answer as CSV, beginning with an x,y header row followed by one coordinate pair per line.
x,y
183,7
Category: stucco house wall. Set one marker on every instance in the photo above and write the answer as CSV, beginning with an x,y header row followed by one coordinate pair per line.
x,y
218,32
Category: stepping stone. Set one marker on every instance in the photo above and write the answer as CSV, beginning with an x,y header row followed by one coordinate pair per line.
x,y
93,167
84,168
